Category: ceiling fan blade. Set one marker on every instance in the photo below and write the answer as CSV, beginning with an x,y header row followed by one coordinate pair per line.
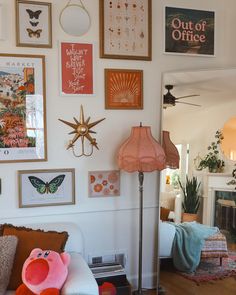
x,y
191,104
192,95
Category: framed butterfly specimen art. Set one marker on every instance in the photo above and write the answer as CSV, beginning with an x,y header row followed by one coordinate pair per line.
x,y
46,187
33,24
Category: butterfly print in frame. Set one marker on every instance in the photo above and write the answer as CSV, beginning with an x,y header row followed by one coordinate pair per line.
x,y
34,14
36,29
48,187
34,33
34,24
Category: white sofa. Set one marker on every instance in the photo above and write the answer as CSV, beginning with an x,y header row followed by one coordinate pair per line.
x,y
166,238
80,279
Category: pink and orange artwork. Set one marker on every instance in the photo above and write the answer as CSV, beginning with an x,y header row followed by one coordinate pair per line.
x,y
123,89
104,183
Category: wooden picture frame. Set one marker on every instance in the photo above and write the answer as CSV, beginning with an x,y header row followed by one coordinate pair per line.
x,y
33,24
123,89
50,187
22,108
76,68
189,31
104,183
126,29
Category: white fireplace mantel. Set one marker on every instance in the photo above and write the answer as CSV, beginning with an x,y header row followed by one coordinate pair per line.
x,y
212,182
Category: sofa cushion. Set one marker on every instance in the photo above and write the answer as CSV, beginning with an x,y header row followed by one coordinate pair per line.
x,y
7,252
28,239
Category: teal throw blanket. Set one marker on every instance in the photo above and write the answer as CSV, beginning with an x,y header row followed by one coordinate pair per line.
x,y
188,242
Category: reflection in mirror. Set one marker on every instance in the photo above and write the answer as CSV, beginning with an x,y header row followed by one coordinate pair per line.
x,y
197,105
75,19
228,145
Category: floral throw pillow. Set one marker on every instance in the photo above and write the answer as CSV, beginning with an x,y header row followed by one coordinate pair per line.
x,y
7,253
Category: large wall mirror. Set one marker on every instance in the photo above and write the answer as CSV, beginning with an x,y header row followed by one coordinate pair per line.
x,y
202,102
198,104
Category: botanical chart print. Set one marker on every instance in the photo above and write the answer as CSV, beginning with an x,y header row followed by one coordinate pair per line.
x,y
34,24
76,68
126,30
123,89
104,183
21,109
189,31
46,187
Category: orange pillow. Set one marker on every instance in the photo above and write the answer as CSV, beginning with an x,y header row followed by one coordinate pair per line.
x,y
164,214
28,239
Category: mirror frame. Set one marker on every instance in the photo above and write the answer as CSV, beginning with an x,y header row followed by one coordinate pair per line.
x,y
84,10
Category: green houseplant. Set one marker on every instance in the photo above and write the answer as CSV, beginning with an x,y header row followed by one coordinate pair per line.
x,y
212,160
191,198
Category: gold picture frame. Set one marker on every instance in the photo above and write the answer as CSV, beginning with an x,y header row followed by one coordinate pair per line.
x,y
123,89
126,29
22,108
33,24
51,187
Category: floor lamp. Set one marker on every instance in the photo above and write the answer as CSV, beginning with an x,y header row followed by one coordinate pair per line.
x,y
141,153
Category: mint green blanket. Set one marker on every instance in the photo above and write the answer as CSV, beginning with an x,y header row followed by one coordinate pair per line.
x,y
188,242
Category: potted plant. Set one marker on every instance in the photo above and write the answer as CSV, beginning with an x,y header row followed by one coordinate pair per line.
x,y
191,199
212,160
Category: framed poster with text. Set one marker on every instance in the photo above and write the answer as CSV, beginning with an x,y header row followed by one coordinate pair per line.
x,y
189,31
76,60
22,108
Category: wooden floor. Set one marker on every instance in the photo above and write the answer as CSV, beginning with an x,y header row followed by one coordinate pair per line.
x,y
174,284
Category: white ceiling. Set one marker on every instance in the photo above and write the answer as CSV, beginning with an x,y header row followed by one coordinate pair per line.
x,y
213,86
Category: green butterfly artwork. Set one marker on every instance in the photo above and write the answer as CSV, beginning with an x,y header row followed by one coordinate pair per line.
x,y
47,187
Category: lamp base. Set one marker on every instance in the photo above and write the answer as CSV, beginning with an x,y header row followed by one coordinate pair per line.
x,y
140,292
161,290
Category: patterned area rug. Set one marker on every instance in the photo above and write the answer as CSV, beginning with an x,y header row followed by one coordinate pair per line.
x,y
210,269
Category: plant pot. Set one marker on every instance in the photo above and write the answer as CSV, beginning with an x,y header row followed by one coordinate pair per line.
x,y
187,217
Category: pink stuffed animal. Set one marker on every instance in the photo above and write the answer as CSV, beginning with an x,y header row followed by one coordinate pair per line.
x,y
44,273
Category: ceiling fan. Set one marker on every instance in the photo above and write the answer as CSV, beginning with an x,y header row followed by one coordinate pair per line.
x,y
170,100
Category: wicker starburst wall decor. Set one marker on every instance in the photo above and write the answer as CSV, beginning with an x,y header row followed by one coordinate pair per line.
x,y
82,130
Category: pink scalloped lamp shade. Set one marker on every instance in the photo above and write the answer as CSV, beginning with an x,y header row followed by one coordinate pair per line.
x,y
172,154
141,152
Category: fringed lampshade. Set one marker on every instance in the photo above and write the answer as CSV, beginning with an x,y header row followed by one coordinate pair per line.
x,y
172,154
141,152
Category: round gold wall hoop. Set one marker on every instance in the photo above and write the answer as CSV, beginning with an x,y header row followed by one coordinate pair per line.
x,y
74,19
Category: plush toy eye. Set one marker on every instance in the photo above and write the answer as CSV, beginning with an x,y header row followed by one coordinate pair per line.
x,y
46,254
40,254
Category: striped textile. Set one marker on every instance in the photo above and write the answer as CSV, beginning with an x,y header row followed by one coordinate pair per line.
x,y
215,246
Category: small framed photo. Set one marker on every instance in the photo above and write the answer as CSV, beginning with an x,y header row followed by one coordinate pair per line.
x,y
46,187
104,183
125,29
33,24
76,69
189,31
22,108
123,89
